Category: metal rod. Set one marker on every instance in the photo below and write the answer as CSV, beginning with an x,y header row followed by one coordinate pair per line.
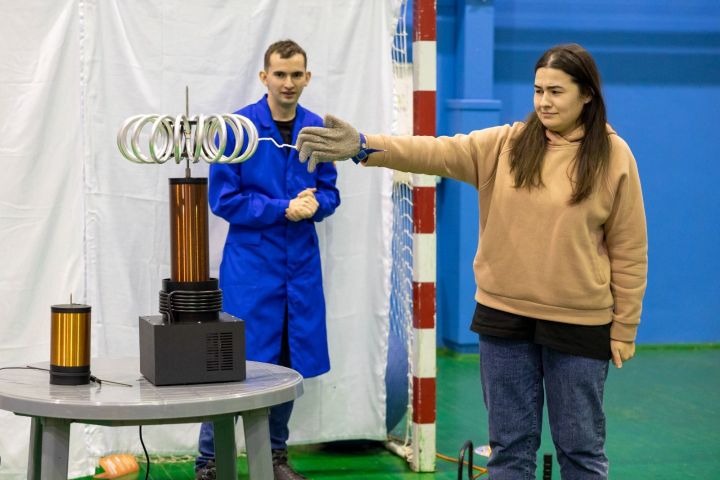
x,y
187,134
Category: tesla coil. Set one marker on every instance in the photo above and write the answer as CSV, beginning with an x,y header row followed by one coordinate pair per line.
x,y
191,340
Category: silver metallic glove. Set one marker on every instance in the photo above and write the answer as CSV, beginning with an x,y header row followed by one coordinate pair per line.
x,y
337,140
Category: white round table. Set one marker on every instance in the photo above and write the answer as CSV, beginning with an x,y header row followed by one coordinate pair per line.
x,y
54,407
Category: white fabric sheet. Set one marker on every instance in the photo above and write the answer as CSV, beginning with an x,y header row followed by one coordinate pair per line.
x,y
76,218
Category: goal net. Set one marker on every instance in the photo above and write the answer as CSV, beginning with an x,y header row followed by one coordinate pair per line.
x,y
402,351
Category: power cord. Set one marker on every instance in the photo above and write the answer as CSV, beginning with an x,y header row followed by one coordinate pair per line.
x,y
93,378
481,471
147,457
27,367
467,447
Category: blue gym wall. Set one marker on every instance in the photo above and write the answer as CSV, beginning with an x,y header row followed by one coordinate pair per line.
x,y
660,62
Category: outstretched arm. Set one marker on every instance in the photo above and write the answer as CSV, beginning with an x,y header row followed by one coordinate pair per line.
x,y
470,158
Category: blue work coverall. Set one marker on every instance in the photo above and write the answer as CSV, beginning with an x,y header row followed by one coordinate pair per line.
x,y
270,264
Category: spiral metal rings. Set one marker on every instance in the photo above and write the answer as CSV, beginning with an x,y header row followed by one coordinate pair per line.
x,y
179,302
187,138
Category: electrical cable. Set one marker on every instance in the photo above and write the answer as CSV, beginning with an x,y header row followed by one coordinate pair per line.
x,y
147,457
270,139
482,471
93,378
28,367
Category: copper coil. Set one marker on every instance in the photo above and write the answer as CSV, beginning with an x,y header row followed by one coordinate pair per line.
x,y
189,230
70,335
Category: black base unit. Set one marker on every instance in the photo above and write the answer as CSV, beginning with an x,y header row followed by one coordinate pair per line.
x,y
183,353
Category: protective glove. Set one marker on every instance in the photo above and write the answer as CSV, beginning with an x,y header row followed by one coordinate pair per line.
x,y
336,140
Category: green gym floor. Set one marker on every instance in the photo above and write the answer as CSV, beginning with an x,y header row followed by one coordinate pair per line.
x,y
663,412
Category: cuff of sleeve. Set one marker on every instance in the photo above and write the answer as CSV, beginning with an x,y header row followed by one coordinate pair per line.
x,y
377,143
365,151
284,205
623,331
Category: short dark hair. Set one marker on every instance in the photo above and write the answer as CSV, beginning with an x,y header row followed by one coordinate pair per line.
x,y
286,49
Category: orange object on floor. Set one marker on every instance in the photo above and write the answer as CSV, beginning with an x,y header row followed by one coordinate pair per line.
x,y
118,465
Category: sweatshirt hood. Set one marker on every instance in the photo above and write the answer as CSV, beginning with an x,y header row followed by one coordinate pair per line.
x,y
575,136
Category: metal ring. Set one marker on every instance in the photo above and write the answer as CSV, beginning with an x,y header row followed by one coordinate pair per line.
x,y
201,137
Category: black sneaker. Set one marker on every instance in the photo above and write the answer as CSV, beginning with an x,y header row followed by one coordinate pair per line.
x,y
281,469
207,472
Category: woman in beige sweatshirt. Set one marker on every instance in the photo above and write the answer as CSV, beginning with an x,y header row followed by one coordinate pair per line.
x,y
561,267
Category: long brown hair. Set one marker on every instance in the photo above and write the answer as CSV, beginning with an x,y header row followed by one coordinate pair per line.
x,y
593,155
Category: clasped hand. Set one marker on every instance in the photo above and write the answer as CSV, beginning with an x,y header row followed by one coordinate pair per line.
x,y
303,206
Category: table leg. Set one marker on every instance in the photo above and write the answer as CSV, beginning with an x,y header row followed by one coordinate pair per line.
x,y
55,446
225,447
35,450
257,442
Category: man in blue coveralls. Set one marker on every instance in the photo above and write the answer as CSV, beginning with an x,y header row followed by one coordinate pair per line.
x,y
270,273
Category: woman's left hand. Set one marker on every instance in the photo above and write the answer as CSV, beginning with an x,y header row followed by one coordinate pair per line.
x,y
621,351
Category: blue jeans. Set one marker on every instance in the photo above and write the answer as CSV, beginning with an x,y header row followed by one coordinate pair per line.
x,y
279,433
516,377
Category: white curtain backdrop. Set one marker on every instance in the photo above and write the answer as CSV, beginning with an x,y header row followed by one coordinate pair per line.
x,y
76,218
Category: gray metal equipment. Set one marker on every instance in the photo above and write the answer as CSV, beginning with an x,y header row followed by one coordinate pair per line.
x,y
187,353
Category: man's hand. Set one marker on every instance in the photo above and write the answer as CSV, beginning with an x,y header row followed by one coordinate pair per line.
x,y
309,201
336,140
308,192
303,206
621,352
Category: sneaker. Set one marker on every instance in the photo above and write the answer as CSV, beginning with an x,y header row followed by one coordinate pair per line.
x,y
281,469
206,472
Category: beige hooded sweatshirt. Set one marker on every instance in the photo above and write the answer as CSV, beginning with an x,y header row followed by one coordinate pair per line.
x,y
538,256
